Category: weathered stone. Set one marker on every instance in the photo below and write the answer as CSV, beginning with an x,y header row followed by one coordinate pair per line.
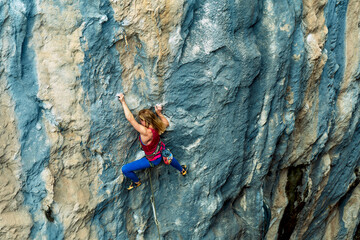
x,y
263,103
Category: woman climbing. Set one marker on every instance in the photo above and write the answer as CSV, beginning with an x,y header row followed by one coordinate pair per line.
x,y
150,129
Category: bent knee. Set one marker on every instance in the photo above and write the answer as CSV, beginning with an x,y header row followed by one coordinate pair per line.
x,y
125,169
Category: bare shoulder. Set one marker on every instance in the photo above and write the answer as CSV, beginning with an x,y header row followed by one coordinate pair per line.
x,y
145,138
149,132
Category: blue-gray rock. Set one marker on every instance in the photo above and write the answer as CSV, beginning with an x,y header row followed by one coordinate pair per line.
x,y
262,99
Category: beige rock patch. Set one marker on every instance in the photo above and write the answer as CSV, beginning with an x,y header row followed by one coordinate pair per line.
x,y
151,26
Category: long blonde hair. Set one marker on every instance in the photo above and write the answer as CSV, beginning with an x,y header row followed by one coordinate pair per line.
x,y
151,119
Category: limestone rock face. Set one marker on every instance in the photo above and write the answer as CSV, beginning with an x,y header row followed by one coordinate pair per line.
x,y
262,99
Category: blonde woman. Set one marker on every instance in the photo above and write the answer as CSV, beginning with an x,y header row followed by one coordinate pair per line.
x,y
150,128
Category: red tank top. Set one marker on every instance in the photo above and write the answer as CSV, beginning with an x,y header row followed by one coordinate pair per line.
x,y
151,147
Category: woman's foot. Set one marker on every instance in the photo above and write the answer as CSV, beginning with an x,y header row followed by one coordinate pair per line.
x,y
134,185
184,171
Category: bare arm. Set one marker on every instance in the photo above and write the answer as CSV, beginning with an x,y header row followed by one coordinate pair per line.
x,y
158,109
130,117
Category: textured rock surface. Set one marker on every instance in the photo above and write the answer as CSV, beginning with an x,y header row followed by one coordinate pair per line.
x,y
262,96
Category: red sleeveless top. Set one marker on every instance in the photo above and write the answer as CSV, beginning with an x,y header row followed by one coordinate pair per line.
x,y
152,146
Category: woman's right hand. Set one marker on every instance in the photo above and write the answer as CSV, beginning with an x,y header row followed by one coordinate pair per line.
x,y
121,97
158,108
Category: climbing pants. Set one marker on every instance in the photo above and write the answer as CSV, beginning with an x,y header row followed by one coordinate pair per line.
x,y
143,163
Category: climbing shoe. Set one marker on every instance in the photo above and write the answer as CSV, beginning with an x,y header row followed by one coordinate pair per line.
x,y
134,185
184,171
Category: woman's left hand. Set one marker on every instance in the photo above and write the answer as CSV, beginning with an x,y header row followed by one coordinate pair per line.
x,y
121,97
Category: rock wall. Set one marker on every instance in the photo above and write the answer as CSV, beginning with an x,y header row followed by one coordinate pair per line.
x,y
262,99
